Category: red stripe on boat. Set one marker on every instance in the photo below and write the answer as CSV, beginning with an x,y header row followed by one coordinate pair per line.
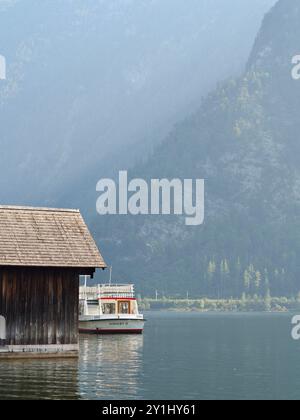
x,y
116,298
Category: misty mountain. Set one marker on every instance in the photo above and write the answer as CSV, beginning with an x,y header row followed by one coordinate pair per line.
x,y
244,141
92,85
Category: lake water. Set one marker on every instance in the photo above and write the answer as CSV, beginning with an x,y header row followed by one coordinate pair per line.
x,y
180,356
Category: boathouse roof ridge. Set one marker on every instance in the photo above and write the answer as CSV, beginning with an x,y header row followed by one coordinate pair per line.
x,y
44,209
46,237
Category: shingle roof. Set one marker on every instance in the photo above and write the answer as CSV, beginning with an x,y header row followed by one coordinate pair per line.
x,y
41,237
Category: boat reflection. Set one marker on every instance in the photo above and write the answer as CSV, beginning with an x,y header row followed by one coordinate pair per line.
x,y
110,366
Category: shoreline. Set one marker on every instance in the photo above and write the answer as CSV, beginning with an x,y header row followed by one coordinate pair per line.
x,y
245,305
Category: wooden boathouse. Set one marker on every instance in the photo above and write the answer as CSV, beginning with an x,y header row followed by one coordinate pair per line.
x,y
42,254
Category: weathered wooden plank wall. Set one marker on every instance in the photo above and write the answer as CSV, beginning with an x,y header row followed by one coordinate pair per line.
x,y
40,305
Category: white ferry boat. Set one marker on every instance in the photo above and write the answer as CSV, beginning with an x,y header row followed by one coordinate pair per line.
x,y
109,309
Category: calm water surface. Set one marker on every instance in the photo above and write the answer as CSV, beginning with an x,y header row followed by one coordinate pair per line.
x,y
180,356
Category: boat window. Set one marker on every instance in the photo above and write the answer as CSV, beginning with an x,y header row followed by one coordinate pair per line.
x,y
108,308
124,307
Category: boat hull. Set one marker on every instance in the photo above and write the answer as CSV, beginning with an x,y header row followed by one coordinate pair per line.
x,y
118,326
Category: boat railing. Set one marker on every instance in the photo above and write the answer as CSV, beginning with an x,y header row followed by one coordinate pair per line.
x,y
105,291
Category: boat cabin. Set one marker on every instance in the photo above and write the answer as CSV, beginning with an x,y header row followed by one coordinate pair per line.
x,y
106,299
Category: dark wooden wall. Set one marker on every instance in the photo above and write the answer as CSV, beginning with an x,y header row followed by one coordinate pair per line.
x,y
40,305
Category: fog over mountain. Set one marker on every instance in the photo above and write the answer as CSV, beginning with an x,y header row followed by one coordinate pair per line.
x,y
92,85
244,141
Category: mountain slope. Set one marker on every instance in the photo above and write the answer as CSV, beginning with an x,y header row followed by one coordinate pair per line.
x,y
244,142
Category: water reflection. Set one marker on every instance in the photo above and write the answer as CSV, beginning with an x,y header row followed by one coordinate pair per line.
x,y
180,356
110,366
39,379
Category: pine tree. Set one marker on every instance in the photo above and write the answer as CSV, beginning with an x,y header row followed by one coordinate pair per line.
x,y
211,272
227,273
283,282
247,281
276,285
257,281
252,276
224,275
211,269
226,267
266,282
238,276
268,301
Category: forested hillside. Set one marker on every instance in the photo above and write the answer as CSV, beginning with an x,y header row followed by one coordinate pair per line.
x,y
244,140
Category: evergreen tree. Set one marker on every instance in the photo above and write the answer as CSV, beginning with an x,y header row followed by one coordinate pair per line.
x,y
247,281
225,275
257,281
252,277
211,272
211,269
268,301
266,281
238,273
